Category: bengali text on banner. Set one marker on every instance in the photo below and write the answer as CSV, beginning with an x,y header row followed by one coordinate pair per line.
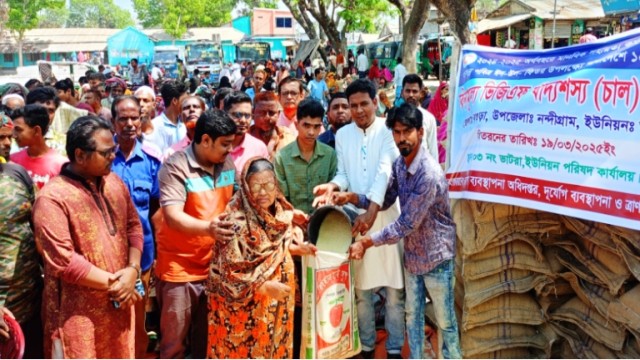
x,y
555,130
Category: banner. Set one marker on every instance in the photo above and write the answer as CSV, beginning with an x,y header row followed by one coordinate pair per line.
x,y
555,130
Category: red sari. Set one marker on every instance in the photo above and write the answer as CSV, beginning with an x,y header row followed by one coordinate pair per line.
x,y
78,225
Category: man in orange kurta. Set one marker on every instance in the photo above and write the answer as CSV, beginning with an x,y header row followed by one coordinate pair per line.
x,y
91,240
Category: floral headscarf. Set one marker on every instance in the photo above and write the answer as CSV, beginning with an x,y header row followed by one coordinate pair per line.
x,y
259,245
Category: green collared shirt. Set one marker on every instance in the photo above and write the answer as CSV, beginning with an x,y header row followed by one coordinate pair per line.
x,y
297,177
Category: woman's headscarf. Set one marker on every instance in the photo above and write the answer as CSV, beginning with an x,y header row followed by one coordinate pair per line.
x,y
13,88
439,105
116,81
259,245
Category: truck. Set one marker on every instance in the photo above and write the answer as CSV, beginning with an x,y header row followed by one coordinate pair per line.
x,y
205,56
166,57
256,51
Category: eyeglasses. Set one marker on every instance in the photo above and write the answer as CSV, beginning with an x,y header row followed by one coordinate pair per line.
x,y
104,153
268,187
240,115
290,93
269,113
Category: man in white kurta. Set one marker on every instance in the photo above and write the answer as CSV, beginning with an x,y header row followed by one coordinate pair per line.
x,y
366,151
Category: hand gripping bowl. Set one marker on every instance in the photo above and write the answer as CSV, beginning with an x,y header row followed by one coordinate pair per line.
x,y
329,228
12,348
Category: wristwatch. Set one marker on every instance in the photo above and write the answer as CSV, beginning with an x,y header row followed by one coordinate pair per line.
x,y
136,267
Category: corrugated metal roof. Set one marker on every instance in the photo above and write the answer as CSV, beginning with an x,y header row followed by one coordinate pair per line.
x,y
59,40
567,9
500,22
226,34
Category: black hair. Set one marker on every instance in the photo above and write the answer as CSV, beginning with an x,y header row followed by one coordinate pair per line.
x,y
310,107
290,79
196,71
362,86
406,114
224,82
221,94
33,83
64,85
338,95
412,79
317,71
215,123
259,165
33,115
120,99
172,89
97,76
80,134
136,60
83,80
399,60
236,97
42,95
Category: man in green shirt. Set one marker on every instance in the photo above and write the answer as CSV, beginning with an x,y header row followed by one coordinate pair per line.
x,y
305,163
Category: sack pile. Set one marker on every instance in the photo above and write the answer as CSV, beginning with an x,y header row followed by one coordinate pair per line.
x,y
533,284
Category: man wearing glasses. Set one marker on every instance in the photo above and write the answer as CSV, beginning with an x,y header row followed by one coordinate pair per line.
x,y
290,93
265,116
245,146
91,240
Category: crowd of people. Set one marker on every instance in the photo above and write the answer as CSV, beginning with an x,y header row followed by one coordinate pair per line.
x,y
117,194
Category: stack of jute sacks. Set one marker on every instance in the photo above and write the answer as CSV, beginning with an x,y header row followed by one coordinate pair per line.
x,y
533,284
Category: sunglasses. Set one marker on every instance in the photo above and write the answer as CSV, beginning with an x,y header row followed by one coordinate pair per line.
x,y
268,187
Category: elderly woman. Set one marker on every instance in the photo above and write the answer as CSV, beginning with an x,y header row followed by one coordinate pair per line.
x,y
251,282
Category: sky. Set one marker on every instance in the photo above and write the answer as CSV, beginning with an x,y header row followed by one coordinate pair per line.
x,y
126,4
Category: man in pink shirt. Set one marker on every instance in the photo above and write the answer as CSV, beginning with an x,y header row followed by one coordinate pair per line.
x,y
30,125
290,93
588,36
245,146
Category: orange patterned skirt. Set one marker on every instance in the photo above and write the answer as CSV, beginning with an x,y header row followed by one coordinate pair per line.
x,y
256,328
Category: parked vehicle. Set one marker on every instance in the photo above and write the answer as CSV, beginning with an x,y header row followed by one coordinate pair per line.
x,y
255,51
205,56
166,56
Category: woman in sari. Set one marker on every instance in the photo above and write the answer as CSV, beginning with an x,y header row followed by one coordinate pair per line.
x,y
440,102
251,281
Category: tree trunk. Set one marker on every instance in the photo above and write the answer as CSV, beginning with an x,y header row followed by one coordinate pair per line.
x,y
411,32
20,44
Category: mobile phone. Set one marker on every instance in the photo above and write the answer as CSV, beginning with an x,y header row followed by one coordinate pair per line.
x,y
139,289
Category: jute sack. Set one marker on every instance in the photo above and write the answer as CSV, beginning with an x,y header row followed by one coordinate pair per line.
x,y
630,350
514,353
554,295
582,346
510,281
630,254
528,238
465,226
512,255
487,211
606,266
535,223
596,232
626,308
607,332
496,337
590,294
507,308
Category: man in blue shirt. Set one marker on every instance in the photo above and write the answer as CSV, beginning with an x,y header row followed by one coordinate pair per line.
x,y
427,228
318,88
137,165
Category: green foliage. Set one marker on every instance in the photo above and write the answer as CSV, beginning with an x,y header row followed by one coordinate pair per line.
x,y
176,16
53,18
23,14
249,5
363,15
97,13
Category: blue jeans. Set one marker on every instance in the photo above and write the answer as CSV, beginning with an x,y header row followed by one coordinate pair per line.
x,y
393,319
439,282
